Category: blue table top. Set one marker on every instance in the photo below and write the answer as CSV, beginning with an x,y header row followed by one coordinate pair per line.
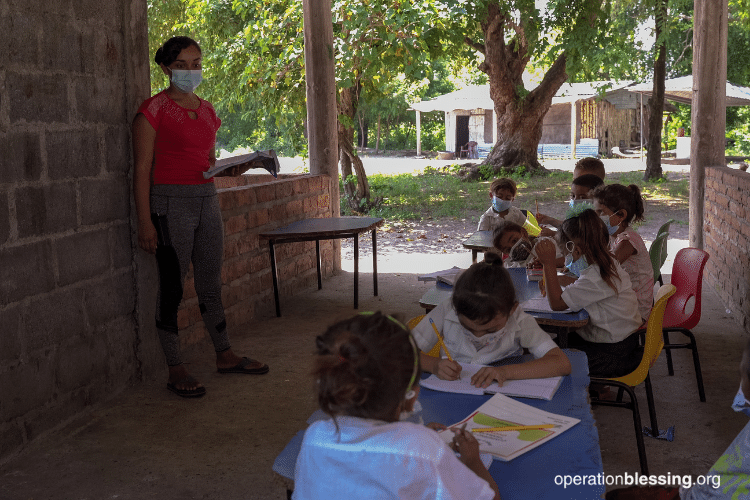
x,y
537,474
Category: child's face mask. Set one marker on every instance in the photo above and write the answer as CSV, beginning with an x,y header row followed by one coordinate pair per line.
x,y
501,205
574,266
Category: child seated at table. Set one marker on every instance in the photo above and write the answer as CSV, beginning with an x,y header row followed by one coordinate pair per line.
x,y
618,206
502,193
367,373
602,287
482,323
516,245
589,165
581,190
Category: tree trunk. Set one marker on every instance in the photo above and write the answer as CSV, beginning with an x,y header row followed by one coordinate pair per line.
x,y
377,137
519,117
357,192
656,103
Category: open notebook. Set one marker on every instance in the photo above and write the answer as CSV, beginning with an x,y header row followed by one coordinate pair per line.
x,y
537,388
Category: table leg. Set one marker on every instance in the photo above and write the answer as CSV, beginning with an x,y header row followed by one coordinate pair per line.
x,y
317,261
374,263
356,271
275,277
474,256
562,338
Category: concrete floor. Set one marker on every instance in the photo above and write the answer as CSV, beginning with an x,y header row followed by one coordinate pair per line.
x,y
149,443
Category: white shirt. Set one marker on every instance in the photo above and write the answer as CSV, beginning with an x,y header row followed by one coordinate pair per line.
x,y
521,330
370,459
491,219
613,315
639,268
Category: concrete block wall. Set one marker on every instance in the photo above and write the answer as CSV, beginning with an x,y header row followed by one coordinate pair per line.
x,y
250,205
727,239
68,335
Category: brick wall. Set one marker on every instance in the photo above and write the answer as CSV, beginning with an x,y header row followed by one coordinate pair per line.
x,y
727,238
252,204
68,336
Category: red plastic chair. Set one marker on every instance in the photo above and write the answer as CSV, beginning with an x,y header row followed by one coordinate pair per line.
x,y
687,276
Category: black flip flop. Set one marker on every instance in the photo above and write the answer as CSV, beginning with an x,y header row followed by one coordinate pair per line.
x,y
241,367
187,393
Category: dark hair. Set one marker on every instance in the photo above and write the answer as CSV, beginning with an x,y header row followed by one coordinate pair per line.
x,y
589,181
503,183
363,366
168,53
618,197
484,290
589,232
505,226
590,165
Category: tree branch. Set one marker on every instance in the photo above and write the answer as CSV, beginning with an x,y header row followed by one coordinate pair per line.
x,y
475,45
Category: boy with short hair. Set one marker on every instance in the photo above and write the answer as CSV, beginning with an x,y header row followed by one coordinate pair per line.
x,y
502,193
589,165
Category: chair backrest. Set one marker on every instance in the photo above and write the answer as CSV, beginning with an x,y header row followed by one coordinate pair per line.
x,y
654,339
665,227
687,276
435,351
658,253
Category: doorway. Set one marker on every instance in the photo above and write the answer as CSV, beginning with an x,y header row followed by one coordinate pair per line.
x,y
462,132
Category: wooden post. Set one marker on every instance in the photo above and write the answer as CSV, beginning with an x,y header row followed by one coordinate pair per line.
x,y
321,102
419,133
707,144
573,129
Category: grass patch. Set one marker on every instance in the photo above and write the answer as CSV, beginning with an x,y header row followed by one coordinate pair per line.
x,y
441,194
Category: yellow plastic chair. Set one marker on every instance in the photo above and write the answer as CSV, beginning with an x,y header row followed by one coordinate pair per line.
x,y
435,351
652,346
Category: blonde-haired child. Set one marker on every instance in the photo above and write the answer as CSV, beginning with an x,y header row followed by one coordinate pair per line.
x,y
618,206
602,287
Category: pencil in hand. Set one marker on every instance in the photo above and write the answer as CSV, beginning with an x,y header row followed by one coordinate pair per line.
x,y
440,339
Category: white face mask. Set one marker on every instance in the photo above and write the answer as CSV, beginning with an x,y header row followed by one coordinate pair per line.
x,y
187,80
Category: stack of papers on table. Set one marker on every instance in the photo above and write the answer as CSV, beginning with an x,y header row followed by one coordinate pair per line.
x,y
502,411
536,388
448,276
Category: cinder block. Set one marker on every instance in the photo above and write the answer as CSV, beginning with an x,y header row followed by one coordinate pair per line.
x,y
46,209
104,200
81,364
4,218
37,98
94,101
71,49
53,318
20,42
121,246
82,256
109,298
11,345
72,154
26,386
117,149
26,270
21,156
11,437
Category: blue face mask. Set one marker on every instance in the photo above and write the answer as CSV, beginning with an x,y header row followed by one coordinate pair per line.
x,y
740,403
572,203
610,228
500,205
187,80
576,267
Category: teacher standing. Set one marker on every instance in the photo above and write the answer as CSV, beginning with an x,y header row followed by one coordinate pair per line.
x,y
179,219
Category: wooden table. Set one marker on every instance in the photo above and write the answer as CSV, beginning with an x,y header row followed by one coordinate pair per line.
x,y
331,228
480,241
536,474
560,323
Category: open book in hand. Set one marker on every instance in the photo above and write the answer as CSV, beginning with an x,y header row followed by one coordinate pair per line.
x,y
536,388
258,159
